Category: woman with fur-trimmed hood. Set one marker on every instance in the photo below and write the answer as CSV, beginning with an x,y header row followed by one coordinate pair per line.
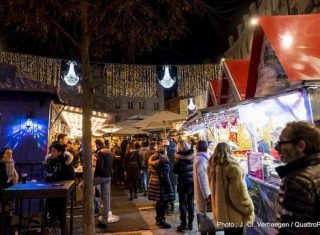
x,y
231,203
160,188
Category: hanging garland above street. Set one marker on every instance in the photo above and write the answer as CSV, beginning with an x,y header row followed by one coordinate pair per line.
x,y
193,79
118,79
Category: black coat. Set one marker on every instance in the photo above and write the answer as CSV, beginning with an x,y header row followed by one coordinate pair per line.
x,y
57,166
183,167
299,195
160,188
104,163
4,177
133,165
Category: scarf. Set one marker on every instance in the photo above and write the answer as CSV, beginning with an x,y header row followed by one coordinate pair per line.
x,y
11,172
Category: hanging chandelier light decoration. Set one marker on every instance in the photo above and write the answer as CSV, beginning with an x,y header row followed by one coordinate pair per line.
x,y
71,79
191,106
167,81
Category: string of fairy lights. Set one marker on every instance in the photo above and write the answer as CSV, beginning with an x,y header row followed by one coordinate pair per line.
x,y
193,79
119,79
129,80
42,69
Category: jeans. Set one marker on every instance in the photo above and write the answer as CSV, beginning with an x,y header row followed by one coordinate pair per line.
x,y
144,180
104,183
186,203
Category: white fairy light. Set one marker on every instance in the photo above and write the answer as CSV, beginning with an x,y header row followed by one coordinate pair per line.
x,y
191,105
71,78
167,81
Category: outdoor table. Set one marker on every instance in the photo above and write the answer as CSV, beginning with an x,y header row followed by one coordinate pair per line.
x,y
61,189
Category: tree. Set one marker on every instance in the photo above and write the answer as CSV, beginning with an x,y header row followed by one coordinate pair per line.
x,y
96,28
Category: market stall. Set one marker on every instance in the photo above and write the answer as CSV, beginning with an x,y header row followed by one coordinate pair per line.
x,y
249,105
283,76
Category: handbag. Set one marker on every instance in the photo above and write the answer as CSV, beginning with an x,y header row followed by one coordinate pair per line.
x,y
205,224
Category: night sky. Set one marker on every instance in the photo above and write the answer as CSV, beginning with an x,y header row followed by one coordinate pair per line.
x,y
204,42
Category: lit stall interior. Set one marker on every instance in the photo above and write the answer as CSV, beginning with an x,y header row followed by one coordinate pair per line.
x,y
71,118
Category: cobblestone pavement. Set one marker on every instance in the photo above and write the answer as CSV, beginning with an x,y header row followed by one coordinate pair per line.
x,y
140,214
147,211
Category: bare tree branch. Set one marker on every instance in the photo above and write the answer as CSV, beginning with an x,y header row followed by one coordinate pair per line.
x,y
68,36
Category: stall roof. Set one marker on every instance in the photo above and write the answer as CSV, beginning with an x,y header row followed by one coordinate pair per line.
x,y
295,40
213,92
238,73
14,80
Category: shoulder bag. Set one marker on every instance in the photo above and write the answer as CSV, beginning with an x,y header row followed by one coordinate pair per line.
x,y
205,224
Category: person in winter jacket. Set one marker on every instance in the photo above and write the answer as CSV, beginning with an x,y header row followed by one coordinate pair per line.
x,y
299,194
8,177
160,188
183,167
8,173
200,177
102,177
132,167
232,206
60,171
143,152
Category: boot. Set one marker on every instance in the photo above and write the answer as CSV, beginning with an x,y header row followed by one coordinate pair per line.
x,y
164,224
190,222
157,221
183,226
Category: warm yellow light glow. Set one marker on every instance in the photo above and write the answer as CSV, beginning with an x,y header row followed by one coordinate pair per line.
x,y
73,117
254,21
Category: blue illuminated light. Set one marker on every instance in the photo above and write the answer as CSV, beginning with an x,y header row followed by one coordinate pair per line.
x,y
21,129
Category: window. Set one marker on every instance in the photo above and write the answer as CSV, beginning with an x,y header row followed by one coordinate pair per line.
x,y
117,106
130,105
141,105
156,106
118,118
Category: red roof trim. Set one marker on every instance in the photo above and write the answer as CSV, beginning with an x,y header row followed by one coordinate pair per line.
x,y
237,71
254,62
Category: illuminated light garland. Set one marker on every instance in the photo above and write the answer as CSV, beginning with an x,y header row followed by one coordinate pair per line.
x,y
119,79
193,79
42,69
129,80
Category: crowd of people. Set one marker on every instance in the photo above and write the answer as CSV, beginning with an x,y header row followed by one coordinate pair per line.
x,y
204,177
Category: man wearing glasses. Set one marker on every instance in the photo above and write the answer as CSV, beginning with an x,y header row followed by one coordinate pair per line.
x,y
298,210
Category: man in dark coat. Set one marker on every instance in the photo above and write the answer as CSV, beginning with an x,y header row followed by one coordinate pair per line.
x,y
183,167
299,194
